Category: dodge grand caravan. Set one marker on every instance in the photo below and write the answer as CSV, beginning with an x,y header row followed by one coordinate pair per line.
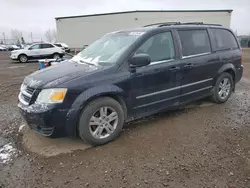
x,y
130,74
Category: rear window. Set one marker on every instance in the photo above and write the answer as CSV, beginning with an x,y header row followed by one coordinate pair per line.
x,y
194,42
224,39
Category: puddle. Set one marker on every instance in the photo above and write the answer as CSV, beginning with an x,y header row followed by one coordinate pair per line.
x,y
49,147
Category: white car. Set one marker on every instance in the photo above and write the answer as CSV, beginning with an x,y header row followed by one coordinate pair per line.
x,y
64,46
37,51
3,48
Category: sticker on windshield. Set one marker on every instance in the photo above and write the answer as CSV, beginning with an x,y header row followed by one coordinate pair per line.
x,y
136,33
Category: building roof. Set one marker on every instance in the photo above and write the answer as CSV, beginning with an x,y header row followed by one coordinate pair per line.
x,y
141,11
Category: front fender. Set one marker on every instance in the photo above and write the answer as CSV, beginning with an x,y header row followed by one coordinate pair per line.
x,y
81,101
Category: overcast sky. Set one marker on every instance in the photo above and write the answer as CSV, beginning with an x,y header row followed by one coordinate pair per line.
x,y
37,16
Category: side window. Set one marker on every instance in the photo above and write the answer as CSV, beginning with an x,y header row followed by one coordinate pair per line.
x,y
194,42
159,47
47,46
34,47
224,39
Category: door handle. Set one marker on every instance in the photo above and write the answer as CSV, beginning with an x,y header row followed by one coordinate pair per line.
x,y
188,66
174,69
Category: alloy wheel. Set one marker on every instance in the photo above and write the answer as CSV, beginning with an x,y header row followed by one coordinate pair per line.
x,y
224,88
103,122
56,56
23,59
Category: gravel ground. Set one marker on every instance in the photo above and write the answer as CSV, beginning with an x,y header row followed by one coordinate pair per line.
x,y
198,146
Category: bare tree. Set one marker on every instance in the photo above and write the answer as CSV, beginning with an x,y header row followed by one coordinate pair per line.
x,y
16,35
50,35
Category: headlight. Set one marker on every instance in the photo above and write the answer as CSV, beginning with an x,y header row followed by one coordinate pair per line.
x,y
56,95
14,52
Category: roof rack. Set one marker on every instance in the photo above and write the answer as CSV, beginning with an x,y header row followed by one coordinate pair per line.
x,y
163,24
199,23
179,23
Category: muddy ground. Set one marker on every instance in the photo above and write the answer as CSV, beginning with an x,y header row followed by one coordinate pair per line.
x,y
202,145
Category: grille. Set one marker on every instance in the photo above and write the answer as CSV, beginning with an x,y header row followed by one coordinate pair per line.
x,y
29,90
25,94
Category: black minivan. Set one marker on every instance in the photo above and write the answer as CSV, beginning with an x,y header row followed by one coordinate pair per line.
x,y
130,74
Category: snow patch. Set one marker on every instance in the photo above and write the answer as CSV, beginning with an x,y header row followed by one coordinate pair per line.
x,y
34,83
21,127
6,153
35,108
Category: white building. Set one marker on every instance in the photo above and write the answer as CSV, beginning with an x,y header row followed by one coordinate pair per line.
x,y
77,31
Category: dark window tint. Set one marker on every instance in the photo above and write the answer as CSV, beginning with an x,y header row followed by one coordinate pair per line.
x,y
194,42
224,39
47,46
159,47
58,45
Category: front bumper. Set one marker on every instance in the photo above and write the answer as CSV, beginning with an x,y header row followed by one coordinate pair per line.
x,y
48,120
13,56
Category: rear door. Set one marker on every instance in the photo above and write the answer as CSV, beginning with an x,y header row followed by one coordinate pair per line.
x,y
47,50
198,63
155,87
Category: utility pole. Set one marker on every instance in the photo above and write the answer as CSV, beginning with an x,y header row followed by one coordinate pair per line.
x,y
4,38
31,37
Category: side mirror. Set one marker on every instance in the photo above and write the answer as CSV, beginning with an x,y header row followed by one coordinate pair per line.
x,y
139,60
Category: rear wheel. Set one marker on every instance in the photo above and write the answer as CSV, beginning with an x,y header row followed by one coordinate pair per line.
x,y
56,56
223,88
101,121
23,58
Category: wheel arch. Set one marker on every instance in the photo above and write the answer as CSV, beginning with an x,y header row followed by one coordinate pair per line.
x,y
115,96
22,54
88,96
229,68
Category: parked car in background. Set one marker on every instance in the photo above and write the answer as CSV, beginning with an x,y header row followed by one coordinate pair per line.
x,y
64,46
13,47
3,48
37,51
131,74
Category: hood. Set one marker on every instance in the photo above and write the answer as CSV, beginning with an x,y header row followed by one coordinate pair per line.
x,y
58,74
17,50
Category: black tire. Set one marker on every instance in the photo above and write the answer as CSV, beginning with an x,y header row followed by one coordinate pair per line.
x,y
23,58
90,109
56,56
215,96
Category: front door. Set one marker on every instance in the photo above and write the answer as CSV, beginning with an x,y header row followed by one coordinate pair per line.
x,y
34,51
156,86
198,64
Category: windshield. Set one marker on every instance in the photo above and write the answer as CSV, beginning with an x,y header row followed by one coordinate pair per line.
x,y
58,45
108,49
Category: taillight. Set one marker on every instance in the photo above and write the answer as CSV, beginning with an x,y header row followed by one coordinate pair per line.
x,y
241,58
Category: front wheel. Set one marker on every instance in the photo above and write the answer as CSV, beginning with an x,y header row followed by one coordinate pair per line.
x,y
23,58
223,88
101,121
